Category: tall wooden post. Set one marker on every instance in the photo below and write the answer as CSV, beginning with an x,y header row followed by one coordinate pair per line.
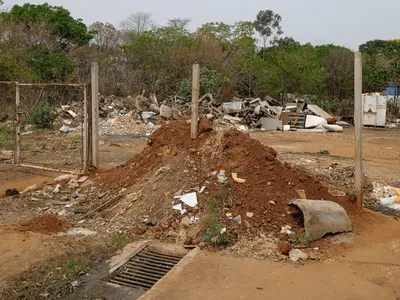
x,y
85,130
17,159
195,101
95,116
358,121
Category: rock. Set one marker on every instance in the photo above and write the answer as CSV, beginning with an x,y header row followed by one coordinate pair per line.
x,y
150,222
139,230
165,111
285,248
28,127
250,215
210,116
12,192
73,184
81,231
66,177
296,255
185,221
154,107
272,203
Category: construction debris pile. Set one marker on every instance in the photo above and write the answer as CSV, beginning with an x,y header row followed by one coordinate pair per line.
x,y
213,189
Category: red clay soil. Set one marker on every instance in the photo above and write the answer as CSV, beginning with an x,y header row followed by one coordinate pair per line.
x,y
171,137
45,225
267,179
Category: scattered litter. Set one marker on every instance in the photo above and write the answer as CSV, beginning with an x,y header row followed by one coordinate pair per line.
x,y
81,231
65,177
66,129
229,216
296,255
238,219
83,179
243,128
272,203
72,114
236,179
202,189
194,219
147,115
27,133
222,231
287,230
390,202
178,207
75,195
62,213
302,194
222,176
30,188
190,199
56,189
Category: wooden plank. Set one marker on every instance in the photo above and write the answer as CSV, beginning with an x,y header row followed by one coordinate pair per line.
x,y
17,158
358,116
95,116
195,101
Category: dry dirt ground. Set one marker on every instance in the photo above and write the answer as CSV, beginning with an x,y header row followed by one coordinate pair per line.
x,y
366,270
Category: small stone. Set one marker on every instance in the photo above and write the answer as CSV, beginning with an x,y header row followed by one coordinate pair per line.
x,y
285,248
138,230
296,255
272,203
249,214
238,202
149,222
185,221
269,183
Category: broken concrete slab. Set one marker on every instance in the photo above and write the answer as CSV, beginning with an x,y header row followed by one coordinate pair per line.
x,y
165,111
232,120
270,124
321,217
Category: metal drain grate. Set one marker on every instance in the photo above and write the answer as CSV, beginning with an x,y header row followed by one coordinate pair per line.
x,y
144,269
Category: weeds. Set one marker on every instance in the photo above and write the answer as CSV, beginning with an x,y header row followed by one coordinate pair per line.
x,y
302,239
5,136
120,242
41,116
214,234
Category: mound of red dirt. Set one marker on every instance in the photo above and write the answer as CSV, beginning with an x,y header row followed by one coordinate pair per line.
x,y
45,225
261,201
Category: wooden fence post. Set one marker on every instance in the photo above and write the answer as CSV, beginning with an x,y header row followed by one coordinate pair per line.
x,y
195,101
17,156
358,121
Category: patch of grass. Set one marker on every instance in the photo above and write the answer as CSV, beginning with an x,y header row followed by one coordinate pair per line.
x,y
213,235
302,239
6,136
120,242
27,148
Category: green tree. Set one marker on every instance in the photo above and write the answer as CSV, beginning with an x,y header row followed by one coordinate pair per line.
x,y
268,24
61,23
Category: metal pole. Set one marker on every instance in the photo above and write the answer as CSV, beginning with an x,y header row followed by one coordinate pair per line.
x,y
195,101
358,116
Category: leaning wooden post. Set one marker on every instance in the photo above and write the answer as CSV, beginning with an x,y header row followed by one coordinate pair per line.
x,y
95,116
195,101
17,159
358,121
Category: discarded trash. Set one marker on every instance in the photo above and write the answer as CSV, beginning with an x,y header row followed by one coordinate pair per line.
x,y
56,189
321,217
314,121
333,128
83,179
81,231
243,128
222,231
272,203
194,219
296,255
65,177
73,183
147,115
27,133
222,176
302,194
286,127
177,207
202,189
185,221
29,188
229,216
390,202
287,230
189,199
66,129
236,179
72,114
75,195
238,219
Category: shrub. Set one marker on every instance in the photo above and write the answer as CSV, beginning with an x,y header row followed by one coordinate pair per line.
x,y
41,116
5,136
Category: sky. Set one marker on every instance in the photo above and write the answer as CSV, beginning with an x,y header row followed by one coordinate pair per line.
x,y
348,23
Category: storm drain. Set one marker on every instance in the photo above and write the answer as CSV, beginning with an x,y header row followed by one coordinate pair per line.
x,y
144,269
